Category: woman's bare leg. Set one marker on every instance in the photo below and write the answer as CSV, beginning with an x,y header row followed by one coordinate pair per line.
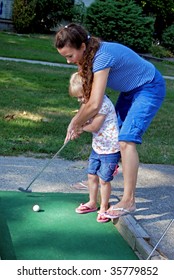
x,y
130,164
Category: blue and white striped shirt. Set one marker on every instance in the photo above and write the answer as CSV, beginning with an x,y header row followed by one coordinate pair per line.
x,y
127,69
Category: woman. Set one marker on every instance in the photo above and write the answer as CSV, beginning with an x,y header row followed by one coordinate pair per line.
x,y
142,91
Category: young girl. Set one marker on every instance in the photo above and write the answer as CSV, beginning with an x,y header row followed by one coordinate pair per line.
x,y
142,91
103,160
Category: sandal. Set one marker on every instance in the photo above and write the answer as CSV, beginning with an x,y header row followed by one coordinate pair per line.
x,y
101,218
81,185
82,209
122,212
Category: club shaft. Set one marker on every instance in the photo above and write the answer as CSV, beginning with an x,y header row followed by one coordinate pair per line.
x,y
46,165
160,239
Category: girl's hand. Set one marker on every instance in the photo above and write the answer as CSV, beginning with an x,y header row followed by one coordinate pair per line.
x,y
73,131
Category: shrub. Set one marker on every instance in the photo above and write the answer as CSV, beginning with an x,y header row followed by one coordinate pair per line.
x,y
23,15
168,38
120,21
160,52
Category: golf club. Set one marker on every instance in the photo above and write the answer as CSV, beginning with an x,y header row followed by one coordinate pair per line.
x,y
27,190
160,239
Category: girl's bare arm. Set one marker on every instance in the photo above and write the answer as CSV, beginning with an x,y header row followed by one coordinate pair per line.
x,y
95,124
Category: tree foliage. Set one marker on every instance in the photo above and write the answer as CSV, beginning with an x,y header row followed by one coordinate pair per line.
x,y
40,15
50,12
168,38
79,11
162,10
120,21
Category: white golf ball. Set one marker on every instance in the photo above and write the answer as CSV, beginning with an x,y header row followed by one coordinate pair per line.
x,y
36,208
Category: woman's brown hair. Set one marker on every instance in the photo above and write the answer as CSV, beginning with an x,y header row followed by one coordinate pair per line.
x,y
73,35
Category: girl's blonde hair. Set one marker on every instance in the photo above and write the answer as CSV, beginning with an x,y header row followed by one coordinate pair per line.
x,y
76,85
73,35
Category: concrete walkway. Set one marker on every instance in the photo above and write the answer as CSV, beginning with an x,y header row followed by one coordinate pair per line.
x,y
154,193
54,64
38,62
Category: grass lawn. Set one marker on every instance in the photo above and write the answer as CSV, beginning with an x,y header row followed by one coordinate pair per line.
x,y
35,47
35,107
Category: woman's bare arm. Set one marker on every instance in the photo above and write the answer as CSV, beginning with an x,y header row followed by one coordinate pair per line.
x,y
91,108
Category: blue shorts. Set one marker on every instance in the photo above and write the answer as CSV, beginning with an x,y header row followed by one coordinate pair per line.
x,y
103,166
136,109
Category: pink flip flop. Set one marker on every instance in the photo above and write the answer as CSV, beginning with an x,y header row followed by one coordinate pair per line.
x,y
101,218
82,209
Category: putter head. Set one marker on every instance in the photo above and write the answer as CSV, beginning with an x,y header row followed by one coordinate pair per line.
x,y
24,190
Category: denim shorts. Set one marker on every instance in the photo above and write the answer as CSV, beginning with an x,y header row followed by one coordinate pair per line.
x,y
136,109
103,165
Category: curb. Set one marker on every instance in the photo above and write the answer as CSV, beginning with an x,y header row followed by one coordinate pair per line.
x,y
137,238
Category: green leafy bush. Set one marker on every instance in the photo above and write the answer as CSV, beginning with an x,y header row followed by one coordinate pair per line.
x,y
160,52
168,38
23,15
120,21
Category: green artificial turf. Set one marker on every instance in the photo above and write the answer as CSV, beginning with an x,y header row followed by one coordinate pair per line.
x,y
56,232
